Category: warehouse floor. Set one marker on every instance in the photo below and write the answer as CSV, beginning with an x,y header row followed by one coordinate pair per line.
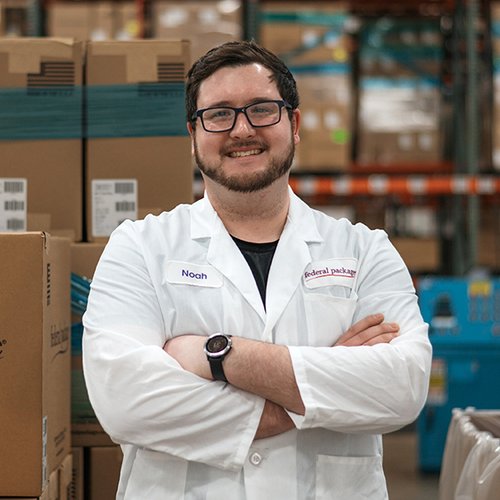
x,y
404,481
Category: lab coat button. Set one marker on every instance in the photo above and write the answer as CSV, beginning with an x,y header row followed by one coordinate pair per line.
x,y
255,458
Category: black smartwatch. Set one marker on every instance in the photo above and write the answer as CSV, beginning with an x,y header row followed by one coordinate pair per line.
x,y
217,348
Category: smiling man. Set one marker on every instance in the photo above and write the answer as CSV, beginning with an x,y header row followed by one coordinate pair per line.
x,y
246,346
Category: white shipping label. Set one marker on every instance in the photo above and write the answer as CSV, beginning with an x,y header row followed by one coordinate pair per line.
x,y
113,201
13,204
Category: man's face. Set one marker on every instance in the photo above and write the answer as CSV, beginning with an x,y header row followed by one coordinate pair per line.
x,y
244,159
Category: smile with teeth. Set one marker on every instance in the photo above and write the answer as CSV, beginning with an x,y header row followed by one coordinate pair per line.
x,y
239,154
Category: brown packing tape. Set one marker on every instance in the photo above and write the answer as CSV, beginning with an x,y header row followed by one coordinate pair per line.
x,y
141,56
25,54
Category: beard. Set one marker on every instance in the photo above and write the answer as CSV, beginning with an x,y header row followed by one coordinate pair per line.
x,y
245,182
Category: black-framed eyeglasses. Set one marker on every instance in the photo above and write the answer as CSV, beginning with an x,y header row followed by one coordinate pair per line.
x,y
259,114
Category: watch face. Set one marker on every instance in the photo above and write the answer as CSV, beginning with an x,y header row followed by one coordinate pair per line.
x,y
217,344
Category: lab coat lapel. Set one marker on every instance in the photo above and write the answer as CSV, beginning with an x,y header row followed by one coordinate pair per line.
x,y
290,260
224,255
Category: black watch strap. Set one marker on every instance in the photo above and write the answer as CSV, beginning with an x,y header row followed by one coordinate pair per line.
x,y
217,347
217,369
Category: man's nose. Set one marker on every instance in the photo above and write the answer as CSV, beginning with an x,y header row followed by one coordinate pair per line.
x,y
242,126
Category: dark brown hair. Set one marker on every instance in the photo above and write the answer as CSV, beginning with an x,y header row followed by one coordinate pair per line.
x,y
238,53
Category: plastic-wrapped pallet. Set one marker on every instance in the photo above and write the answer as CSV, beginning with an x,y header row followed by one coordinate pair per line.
x,y
471,461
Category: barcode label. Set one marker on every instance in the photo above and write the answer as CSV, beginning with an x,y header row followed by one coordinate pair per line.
x,y
124,187
124,206
15,225
13,186
13,204
113,201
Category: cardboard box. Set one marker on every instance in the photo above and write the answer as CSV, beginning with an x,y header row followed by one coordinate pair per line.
x,y
34,360
84,258
205,24
80,20
138,151
77,482
392,149
488,244
66,478
306,33
326,121
89,434
104,472
419,254
95,20
41,128
59,486
400,108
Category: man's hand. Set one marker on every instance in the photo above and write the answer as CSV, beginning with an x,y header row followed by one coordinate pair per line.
x,y
369,331
274,420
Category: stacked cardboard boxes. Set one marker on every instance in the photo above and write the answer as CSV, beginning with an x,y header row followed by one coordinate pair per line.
x,y
399,120
41,185
313,40
96,459
138,158
138,149
40,135
34,363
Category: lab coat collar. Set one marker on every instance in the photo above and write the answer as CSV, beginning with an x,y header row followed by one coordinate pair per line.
x,y
205,221
290,260
291,257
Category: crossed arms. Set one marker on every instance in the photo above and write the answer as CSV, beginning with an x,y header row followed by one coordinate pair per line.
x,y
266,370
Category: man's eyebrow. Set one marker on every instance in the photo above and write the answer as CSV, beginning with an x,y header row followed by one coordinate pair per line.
x,y
229,104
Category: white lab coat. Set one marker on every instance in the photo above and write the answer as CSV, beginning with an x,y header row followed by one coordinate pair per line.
x,y
184,437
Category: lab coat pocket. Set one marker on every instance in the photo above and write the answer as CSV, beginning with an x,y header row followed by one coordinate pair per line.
x,y
327,317
156,476
353,478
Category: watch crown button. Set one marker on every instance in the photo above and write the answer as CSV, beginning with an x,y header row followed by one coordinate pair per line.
x,y
255,458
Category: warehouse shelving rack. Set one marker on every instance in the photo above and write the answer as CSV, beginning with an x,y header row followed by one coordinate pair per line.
x,y
460,182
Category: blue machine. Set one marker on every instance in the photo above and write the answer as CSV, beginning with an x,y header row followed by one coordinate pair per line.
x,y
464,319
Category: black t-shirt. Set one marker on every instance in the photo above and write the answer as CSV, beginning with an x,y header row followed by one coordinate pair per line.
x,y
259,257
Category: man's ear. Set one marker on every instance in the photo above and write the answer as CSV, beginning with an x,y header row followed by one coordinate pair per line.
x,y
190,129
296,125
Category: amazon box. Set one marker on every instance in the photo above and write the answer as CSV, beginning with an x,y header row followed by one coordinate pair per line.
x,y
40,135
34,360
138,148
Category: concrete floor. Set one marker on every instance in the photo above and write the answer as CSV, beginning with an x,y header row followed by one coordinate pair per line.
x,y
404,480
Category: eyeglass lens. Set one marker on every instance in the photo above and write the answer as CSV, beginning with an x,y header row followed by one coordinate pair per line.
x,y
261,114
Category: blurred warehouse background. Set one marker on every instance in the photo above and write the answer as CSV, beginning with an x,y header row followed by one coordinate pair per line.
x,y
400,105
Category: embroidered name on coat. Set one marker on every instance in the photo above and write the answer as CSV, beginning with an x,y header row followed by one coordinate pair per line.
x,y
331,272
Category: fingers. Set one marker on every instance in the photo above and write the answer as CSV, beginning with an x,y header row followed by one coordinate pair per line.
x,y
384,338
361,325
369,331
